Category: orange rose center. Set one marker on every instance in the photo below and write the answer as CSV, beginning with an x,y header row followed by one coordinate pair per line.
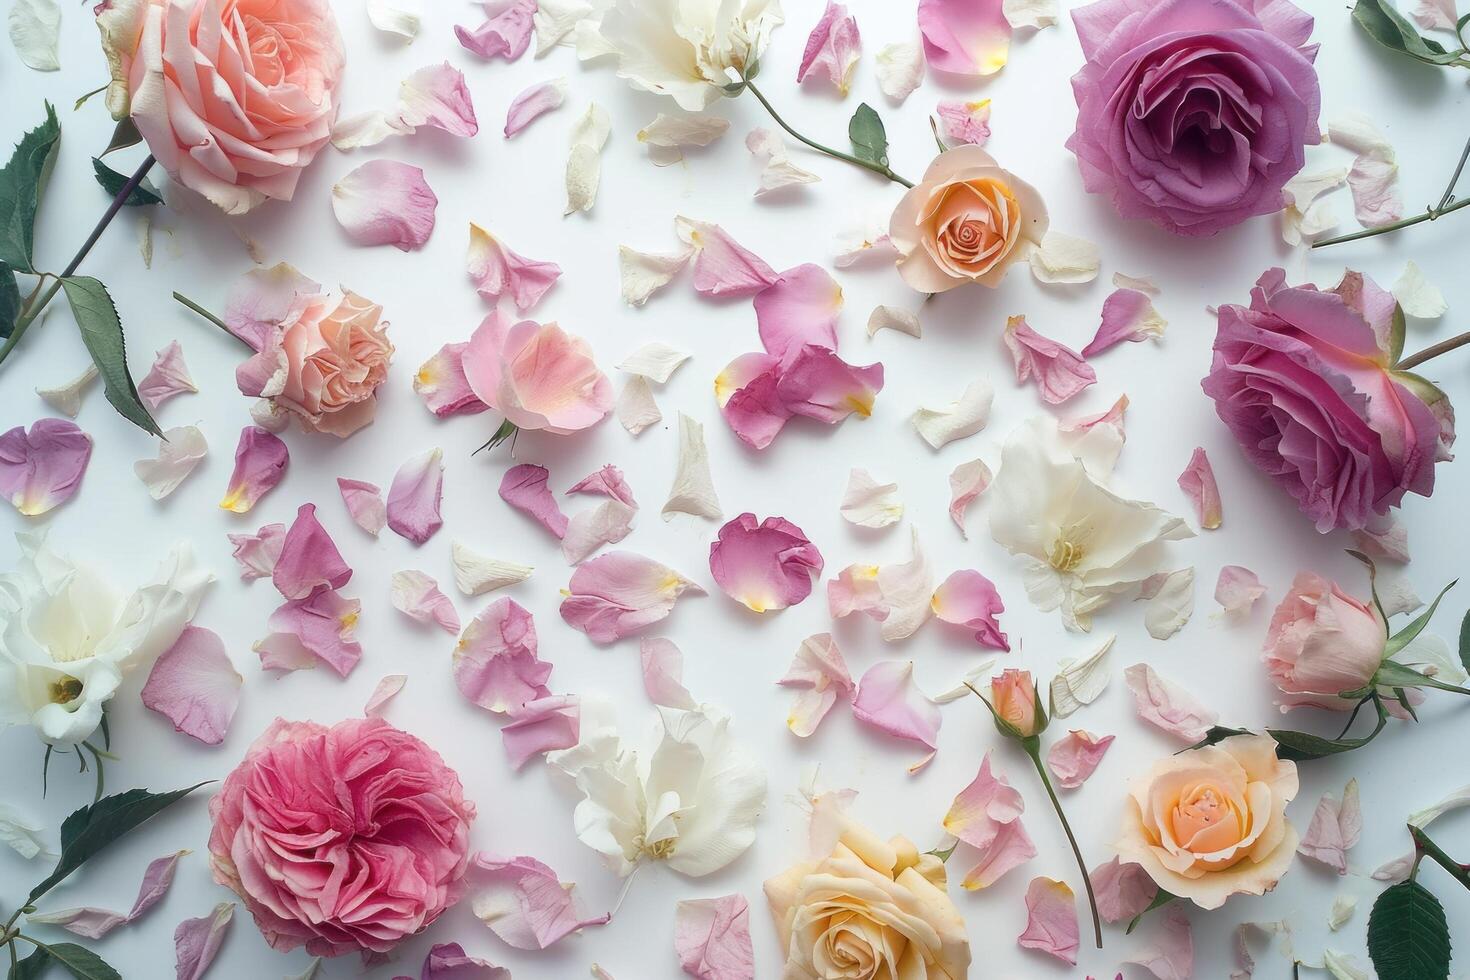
x,y
1206,819
975,223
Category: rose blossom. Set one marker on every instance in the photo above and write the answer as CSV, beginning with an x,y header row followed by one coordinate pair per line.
x,y
1210,822
1194,115
537,375
1305,381
1013,695
234,97
346,838
966,221
1322,642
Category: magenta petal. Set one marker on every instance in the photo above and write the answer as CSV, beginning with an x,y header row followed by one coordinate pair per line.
x,y
495,663
258,553
524,903
609,482
194,685
889,700
1051,920
196,941
969,599
800,307
533,102
415,495
524,487
385,202
542,726
1075,756
437,96
260,463
820,385
965,122
441,383
364,504
496,270
1127,315
722,266
749,400
169,376
505,34
43,468
965,37
767,565
386,690
620,593
320,627
94,923
1198,481
1060,372
1123,890
712,938
663,673
448,961
832,48
821,677
309,558
418,597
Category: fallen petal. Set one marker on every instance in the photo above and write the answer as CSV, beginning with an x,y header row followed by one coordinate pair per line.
x,y
42,468
94,923
654,361
778,172
476,574
712,938
1418,297
533,102
496,270
196,941
799,307
888,699
495,662
893,318
969,599
1075,756
832,49
1123,891
386,690
169,376
965,122
667,136
309,558
506,33
868,503
1198,482
644,273
721,266
180,452
418,597
584,163
524,903
384,202
67,398
1065,259
1237,590
258,553
544,725
524,487
35,30
965,37
693,491
21,833
1127,315
1373,178
663,673
608,523
260,463
448,961
1080,682
900,69
1167,706
965,416
194,685
767,565
1030,13
966,482
986,815
415,495
1171,603
321,627
620,593
1171,955
1060,372
821,677
747,391
1051,920
364,504
399,17
1335,827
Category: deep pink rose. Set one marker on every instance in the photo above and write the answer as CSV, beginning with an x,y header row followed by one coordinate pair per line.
x,y
342,839
1194,113
1321,643
1304,380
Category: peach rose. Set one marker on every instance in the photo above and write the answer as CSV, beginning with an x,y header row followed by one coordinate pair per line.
x,y
869,909
234,97
537,375
1210,822
966,221
1013,694
1322,642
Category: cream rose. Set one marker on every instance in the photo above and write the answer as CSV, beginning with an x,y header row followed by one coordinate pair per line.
x,y
966,221
869,909
1210,822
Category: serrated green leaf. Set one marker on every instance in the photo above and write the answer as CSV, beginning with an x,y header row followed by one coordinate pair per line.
x,y
22,182
33,967
81,962
9,300
869,139
1408,937
112,182
102,332
1406,635
1465,642
1384,24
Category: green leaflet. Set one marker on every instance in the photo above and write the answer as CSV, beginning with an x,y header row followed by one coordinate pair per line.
x,y
1465,642
1408,937
82,963
1384,24
9,300
22,182
869,139
102,332
112,182
33,967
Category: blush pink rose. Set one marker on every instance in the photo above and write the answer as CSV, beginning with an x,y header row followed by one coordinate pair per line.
x,y
1013,696
537,375
1322,642
341,839
234,97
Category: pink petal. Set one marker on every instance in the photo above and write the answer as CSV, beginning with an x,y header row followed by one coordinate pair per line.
x,y
1059,371
820,385
541,726
1335,827
441,383
169,376
712,938
263,299
448,961
609,482
414,497
1198,481
1051,920
820,675
1123,891
364,504
386,690
384,202
1113,416
260,463
966,37
1127,315
965,122
800,307
524,903
1385,538
495,663
663,673
437,96
309,558
94,923
832,48
418,597
533,102
320,627
966,482
621,593
1237,590
722,267
258,553
987,816
767,565
969,599
42,469
194,685
889,700
608,523
524,487
1433,14
749,400
899,595
1167,706
1075,756
196,941
1171,955
505,34
496,270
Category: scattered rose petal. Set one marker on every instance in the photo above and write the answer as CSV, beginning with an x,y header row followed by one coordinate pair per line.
x,y
194,685
1335,827
495,663
524,487
1030,13
820,675
654,361
21,833
1343,907
987,816
448,961
644,273
1307,215
476,574
584,162
898,595
1065,259
543,725
523,902
442,384
364,504
1198,482
1123,890
1060,372
722,267
94,923
321,627
42,468
196,941
778,171
1127,315
900,69
607,523
415,495
1171,955
35,29
832,49
868,503
496,270
888,699
385,202
969,599
309,558
1418,297
693,491
258,553
66,398
635,408
1080,682
533,102
748,394
712,938
767,565
180,452
1170,598
399,17
1073,757
965,122
556,19
1167,706
1435,14
1373,178
435,96
667,136
962,417
965,37
169,376
505,33
260,463
386,690
1237,590
818,384
418,597
799,308
966,482
620,593
663,673
894,318
1051,920
866,241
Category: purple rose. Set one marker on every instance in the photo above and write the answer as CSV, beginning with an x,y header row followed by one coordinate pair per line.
x,y
1194,113
1305,381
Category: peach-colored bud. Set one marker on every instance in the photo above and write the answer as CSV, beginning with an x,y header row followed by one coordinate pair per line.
x,y
1014,696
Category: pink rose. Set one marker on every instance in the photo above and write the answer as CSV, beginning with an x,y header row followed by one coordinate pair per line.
x,y
1013,695
346,838
234,97
537,375
1322,642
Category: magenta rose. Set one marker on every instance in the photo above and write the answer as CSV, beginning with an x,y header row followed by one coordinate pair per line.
x,y
341,839
1194,114
1305,381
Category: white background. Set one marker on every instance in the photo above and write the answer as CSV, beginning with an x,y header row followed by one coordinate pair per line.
x,y
733,657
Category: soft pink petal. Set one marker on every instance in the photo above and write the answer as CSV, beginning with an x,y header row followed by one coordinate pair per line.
x,y
966,482
663,673
309,558
194,685
965,122
496,270
821,677
749,399
448,961
533,102
1166,705
1335,827
609,482
258,553
169,376
321,627
386,690
620,593
415,495
965,37
441,383
260,463
820,385
364,504
495,663
1432,14
94,923
969,599
1385,538
800,307
1113,416
898,595
889,700
541,726
987,816
1051,920
43,468
832,48
588,530
263,299
767,565
418,597
1060,372
524,487
437,96
1127,315
1198,481
537,375
722,267
1123,891
505,33
1171,955
384,202
523,902
1075,756
712,938
196,941
1237,590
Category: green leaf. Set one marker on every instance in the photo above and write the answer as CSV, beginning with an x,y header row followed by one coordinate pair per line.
x,y
102,332
1161,898
9,300
869,140
82,963
1384,24
112,182
33,967
1408,937
1398,328
90,830
1465,642
22,183
124,135
1406,635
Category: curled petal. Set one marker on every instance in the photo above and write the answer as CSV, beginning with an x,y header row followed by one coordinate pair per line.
x,y
1122,890
965,37
182,450
448,961
966,482
42,468
986,815
476,574
620,593
1167,706
1065,259
1060,372
399,17
584,163
94,923
260,463
364,503
778,171
888,699
1080,682
1127,315
505,33
1051,920
524,903
1237,590
897,595
799,308
722,267
667,136
258,553
309,558
1417,296
607,523
767,565
820,676
832,48
965,416
442,384
533,102
750,401
663,673
969,599
415,495
1170,598
544,725
495,663
321,627
435,96
712,938
693,491
1335,827
1373,178
169,376
820,385
1075,756
384,202
384,691
66,398
196,941
607,482
1198,481
644,273
496,270
524,487
868,503
894,318
194,685
418,597
965,122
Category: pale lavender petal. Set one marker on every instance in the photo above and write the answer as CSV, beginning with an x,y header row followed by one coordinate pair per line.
x,y
541,726
663,673
94,923
889,700
524,903
196,941
1336,826
1237,590
448,961
524,487
495,270
309,558
364,504
1051,920
1123,890
1167,706
506,33
965,122
437,96
321,627
260,463
258,553
712,938
1060,372
609,482
620,593
495,663
1198,481
169,376
417,596
1075,756
386,690
722,266
42,469
415,495
442,384
194,685
832,48
533,102
384,202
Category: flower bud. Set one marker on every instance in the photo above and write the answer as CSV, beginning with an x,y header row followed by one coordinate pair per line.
x,y
1321,644
1013,698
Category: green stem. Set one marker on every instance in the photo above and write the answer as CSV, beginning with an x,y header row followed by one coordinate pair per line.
x,y
97,755
195,307
877,168
1447,204
1033,750
1434,350
1428,848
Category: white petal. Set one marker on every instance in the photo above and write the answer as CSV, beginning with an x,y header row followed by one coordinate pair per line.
x,y
894,318
1065,259
962,417
584,164
555,19
907,589
21,833
1343,966
635,406
476,574
654,361
1305,216
1030,13
399,17
35,26
607,523
1171,606
779,171
672,133
1419,297
1454,801
975,676
1343,907
67,398
1373,178
181,450
868,503
1080,682
1143,284
900,69
693,491
645,273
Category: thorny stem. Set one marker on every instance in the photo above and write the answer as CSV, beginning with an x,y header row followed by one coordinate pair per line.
x,y
1424,847
1033,750
1447,205
877,168
1443,347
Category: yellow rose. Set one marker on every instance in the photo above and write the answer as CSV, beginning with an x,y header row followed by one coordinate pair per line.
x,y
869,909
1210,822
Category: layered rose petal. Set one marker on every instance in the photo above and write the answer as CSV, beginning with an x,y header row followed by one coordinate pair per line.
x,y
258,553
888,699
415,495
495,663
544,725
986,815
765,565
384,202
169,376
620,593
533,102
364,502
898,595
965,122
42,468
969,599
1051,920
747,393
799,307
832,48
496,270
505,32
1128,315
820,676
441,383
965,37
524,903
1198,482
309,558
321,627
1075,756
712,938
525,488
194,685
966,482
820,385
1059,371
418,597
1167,706
1321,643
722,267
538,376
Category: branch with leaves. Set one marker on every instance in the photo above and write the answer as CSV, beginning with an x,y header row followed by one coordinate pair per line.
x,y
1408,934
1381,20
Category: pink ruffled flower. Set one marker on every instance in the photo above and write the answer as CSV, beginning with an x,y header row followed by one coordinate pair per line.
x,y
537,375
343,839
767,565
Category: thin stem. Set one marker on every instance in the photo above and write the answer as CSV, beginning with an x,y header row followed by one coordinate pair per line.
x,y
189,303
877,168
97,755
1449,191
1434,350
1035,755
1428,848
623,892
1429,215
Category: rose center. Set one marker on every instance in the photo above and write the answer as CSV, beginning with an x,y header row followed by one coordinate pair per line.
x,y
65,691
1065,555
1200,813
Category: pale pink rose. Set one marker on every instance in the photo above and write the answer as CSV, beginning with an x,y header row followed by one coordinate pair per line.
x,y
1013,695
1322,642
344,839
966,221
537,375
234,97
